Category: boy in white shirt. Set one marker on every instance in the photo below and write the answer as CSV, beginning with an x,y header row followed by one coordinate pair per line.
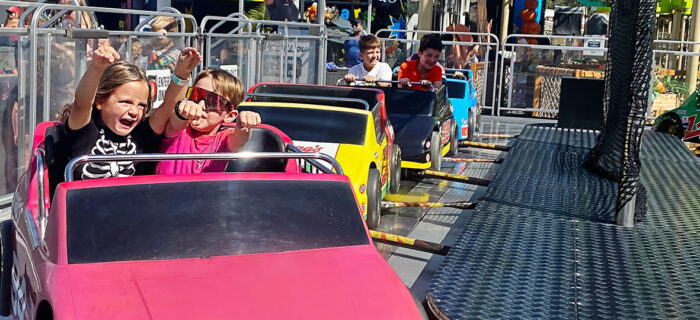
x,y
370,69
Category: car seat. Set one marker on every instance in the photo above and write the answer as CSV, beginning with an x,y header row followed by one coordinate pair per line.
x,y
263,138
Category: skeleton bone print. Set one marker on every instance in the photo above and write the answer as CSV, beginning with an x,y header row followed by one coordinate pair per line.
x,y
104,146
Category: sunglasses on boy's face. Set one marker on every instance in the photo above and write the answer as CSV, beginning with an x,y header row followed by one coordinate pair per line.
x,y
212,101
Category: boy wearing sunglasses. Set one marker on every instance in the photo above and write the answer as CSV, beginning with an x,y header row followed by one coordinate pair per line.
x,y
195,125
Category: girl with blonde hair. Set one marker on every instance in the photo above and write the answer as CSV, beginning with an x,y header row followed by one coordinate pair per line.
x,y
110,115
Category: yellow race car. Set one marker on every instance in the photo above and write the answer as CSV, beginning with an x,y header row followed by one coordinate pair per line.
x,y
350,134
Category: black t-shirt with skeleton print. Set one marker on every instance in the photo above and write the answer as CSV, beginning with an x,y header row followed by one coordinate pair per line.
x,y
96,139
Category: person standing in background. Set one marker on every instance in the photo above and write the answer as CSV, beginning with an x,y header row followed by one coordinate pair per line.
x,y
352,45
282,10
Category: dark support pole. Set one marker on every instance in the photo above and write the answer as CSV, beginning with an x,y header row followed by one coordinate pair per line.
x,y
627,80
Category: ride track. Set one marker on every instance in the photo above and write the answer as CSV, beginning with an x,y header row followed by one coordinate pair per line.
x,y
439,223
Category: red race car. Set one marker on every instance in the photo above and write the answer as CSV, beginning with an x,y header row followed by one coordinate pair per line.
x,y
241,245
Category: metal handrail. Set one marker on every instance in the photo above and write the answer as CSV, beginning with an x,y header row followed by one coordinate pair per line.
x,y
234,17
30,5
552,36
304,97
152,157
41,217
432,87
164,10
490,35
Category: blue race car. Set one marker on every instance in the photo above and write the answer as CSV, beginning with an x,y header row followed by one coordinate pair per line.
x,y
465,105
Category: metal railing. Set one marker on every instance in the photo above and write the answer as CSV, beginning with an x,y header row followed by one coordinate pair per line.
x,y
152,157
513,78
308,98
265,56
487,40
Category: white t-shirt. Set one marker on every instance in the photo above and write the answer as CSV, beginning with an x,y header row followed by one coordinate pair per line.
x,y
381,71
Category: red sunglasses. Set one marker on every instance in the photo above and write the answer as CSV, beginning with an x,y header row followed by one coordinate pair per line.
x,y
212,101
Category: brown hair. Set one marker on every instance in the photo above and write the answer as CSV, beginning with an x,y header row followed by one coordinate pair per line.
x,y
225,84
114,76
369,42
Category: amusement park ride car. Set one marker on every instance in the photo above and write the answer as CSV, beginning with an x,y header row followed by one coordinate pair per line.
x,y
349,124
131,248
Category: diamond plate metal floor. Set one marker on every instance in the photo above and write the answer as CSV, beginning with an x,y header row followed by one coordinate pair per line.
x,y
539,244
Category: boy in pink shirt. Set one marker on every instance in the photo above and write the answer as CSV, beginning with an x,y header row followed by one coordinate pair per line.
x,y
195,126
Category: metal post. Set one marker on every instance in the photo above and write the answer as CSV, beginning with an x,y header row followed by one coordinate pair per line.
x,y
425,14
47,80
625,217
691,74
505,19
321,12
676,34
369,17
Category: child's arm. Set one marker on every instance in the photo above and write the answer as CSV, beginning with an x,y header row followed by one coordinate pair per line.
x,y
188,60
81,110
245,121
184,112
403,78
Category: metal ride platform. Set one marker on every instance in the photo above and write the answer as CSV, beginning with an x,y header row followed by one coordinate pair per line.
x,y
541,243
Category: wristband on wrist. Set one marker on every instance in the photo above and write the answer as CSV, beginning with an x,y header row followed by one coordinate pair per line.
x,y
177,81
177,110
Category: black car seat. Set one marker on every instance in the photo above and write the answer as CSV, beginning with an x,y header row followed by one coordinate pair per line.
x,y
54,158
261,140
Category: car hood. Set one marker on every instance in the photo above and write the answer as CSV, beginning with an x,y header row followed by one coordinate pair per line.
x,y
339,283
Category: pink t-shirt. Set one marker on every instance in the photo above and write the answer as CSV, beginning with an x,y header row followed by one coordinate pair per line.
x,y
184,142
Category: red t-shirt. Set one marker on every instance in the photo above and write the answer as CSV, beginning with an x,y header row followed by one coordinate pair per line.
x,y
409,69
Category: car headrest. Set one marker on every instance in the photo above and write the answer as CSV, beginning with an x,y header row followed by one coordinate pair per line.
x,y
262,139
48,135
51,138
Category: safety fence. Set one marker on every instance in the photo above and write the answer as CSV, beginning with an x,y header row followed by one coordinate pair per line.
x,y
534,65
464,51
265,51
670,67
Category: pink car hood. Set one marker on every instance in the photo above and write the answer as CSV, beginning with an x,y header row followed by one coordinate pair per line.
x,y
335,283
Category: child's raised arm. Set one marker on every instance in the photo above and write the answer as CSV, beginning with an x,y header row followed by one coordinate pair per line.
x,y
188,60
241,134
81,110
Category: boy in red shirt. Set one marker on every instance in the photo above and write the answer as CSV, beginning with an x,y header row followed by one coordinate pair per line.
x,y
425,69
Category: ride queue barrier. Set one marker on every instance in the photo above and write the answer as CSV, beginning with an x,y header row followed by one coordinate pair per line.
x,y
13,135
670,60
488,42
409,243
295,53
537,90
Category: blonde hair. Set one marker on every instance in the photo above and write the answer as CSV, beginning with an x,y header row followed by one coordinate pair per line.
x,y
135,46
114,76
163,22
225,84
